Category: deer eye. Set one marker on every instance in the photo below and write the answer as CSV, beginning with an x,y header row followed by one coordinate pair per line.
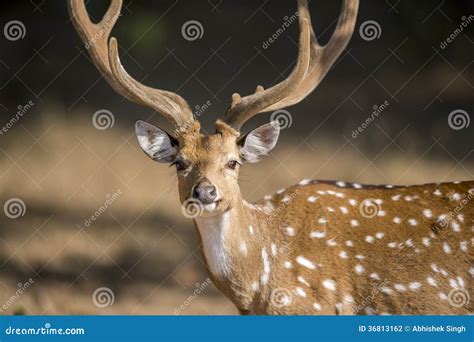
x,y
232,164
180,165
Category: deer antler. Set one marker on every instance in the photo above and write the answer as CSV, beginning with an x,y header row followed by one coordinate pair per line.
x,y
104,54
314,61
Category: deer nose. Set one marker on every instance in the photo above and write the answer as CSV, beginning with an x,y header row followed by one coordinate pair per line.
x,y
205,192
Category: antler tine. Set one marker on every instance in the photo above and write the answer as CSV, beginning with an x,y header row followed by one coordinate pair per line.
x,y
321,58
106,58
246,107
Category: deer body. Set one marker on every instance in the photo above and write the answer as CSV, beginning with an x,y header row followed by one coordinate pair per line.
x,y
348,254
313,248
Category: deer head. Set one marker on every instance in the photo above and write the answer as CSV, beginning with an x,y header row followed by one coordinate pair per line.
x,y
208,165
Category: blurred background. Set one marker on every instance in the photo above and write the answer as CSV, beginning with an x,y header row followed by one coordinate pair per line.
x,y
91,226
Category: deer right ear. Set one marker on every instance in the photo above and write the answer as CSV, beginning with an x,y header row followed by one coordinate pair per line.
x,y
156,143
259,142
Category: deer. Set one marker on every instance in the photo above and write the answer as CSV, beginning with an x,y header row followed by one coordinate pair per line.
x,y
318,247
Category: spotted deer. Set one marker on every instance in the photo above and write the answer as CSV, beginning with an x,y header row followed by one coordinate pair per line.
x,y
318,247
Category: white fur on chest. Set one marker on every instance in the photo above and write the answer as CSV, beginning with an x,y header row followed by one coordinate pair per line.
x,y
213,232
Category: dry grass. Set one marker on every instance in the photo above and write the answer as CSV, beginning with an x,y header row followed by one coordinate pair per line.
x,y
141,246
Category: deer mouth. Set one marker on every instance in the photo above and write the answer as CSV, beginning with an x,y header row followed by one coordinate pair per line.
x,y
210,207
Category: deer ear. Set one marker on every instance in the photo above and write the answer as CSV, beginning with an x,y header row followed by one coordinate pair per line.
x,y
259,142
156,143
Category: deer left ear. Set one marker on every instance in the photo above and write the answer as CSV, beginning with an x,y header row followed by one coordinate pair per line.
x,y
156,143
259,142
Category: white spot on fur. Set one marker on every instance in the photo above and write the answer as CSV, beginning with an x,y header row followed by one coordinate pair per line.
x,y
463,246
305,262
243,248
274,249
287,265
392,244
374,276
353,202
354,223
431,282
251,230
437,192
412,222
348,299
400,287
302,280
369,239
290,231
329,284
266,267
360,257
395,197
359,269
446,248
455,226
312,199
379,235
300,292
317,235
426,241
331,242
397,220
343,255
357,186
344,210
317,306
305,181
443,296
428,213
322,220
349,243
341,184
414,286
254,286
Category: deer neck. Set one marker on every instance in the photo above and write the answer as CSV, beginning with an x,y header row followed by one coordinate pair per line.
x,y
227,241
